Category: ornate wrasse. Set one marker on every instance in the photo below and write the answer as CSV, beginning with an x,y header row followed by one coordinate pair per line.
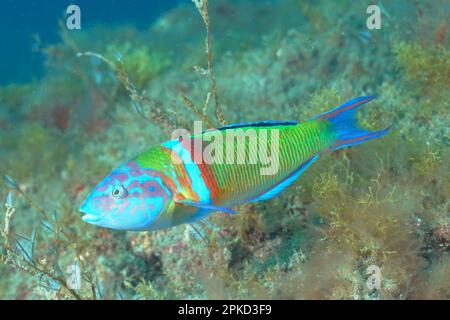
x,y
176,182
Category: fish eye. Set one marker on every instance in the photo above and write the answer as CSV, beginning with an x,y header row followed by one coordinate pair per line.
x,y
119,192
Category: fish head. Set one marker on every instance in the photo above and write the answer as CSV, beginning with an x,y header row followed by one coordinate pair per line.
x,y
129,198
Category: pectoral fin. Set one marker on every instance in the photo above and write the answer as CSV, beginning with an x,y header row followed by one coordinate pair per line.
x,y
205,206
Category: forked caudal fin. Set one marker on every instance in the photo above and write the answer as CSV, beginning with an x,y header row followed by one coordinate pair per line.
x,y
345,125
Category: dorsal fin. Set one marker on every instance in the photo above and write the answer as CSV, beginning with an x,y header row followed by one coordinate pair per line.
x,y
267,123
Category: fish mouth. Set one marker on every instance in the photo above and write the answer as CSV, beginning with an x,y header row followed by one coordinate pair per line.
x,y
88,216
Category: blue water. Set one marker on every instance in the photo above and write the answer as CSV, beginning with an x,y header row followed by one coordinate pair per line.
x,y
21,19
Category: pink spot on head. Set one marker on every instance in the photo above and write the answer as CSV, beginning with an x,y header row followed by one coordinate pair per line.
x,y
134,184
104,185
122,177
102,188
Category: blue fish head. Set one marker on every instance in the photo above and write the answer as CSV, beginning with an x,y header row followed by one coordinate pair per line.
x,y
129,198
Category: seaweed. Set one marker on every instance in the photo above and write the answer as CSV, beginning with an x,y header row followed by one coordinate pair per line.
x,y
428,69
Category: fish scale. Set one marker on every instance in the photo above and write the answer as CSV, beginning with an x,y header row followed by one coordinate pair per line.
x,y
297,143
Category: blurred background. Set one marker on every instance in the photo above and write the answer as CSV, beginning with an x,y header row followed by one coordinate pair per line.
x,y
23,21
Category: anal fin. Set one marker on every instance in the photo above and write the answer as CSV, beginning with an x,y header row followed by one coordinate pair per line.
x,y
205,206
275,190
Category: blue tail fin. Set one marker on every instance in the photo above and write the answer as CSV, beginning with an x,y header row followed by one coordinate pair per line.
x,y
345,124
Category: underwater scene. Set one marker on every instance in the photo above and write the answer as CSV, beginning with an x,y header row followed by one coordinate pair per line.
x,y
225,149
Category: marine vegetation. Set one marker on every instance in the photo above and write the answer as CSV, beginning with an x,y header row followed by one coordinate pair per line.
x,y
365,222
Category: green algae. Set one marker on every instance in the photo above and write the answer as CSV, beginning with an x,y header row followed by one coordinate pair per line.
x,y
141,62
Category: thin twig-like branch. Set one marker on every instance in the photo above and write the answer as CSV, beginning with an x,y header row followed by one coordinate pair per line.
x,y
8,217
157,115
202,115
19,262
202,7
35,269
47,216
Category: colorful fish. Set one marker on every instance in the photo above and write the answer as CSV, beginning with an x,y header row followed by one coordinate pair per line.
x,y
164,186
